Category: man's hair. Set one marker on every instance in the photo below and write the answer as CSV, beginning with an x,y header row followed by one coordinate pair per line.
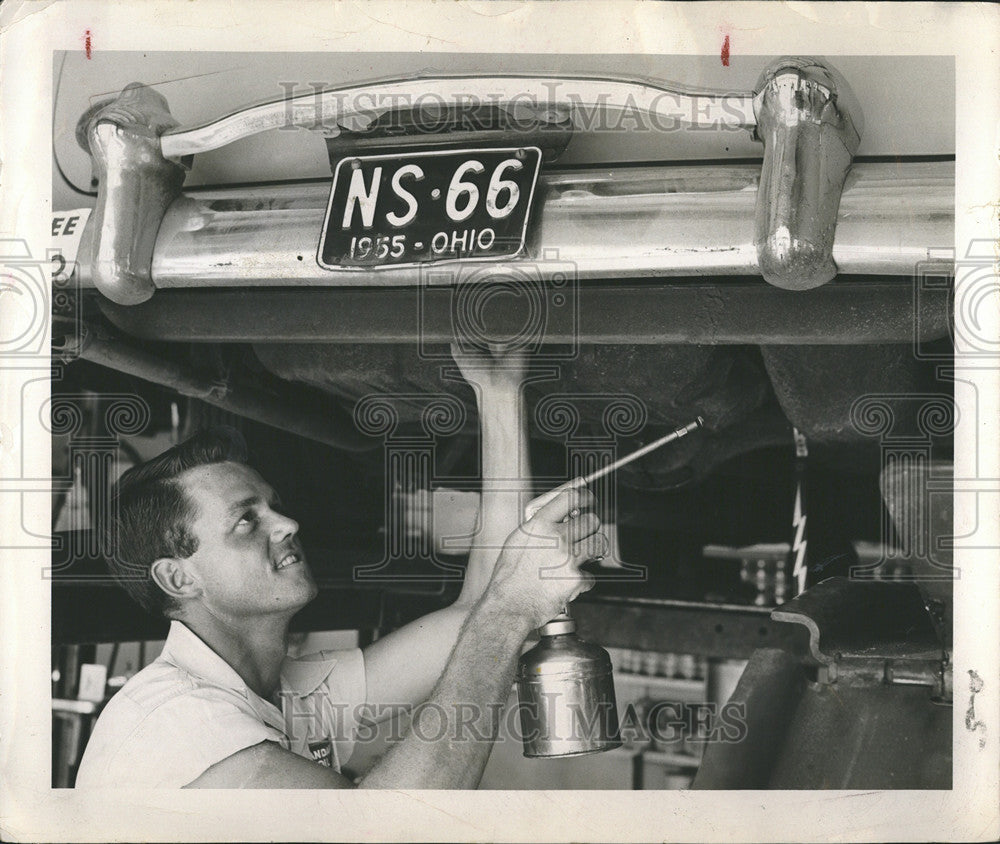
x,y
151,514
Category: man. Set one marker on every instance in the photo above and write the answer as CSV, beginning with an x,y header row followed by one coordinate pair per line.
x,y
223,707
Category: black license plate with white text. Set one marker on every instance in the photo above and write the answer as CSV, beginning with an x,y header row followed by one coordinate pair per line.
x,y
421,207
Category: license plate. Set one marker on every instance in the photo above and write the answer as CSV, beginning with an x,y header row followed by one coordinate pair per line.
x,y
395,210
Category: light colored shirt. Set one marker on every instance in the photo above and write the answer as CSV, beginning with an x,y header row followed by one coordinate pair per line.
x,y
189,709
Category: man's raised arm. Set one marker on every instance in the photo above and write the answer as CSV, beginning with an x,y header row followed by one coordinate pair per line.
x,y
402,667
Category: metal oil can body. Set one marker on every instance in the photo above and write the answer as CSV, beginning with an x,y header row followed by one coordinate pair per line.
x,y
566,695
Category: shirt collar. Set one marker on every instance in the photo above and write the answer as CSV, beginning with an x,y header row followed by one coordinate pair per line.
x,y
303,676
186,650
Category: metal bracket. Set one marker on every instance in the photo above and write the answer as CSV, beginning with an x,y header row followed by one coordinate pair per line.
x,y
865,632
470,126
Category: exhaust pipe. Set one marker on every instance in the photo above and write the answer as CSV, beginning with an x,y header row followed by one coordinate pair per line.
x,y
240,399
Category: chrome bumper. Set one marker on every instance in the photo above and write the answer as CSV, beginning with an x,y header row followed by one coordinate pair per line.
x,y
625,223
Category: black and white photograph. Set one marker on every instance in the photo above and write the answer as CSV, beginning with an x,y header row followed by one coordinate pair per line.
x,y
518,398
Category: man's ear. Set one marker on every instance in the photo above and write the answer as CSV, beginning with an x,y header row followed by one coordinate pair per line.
x,y
172,576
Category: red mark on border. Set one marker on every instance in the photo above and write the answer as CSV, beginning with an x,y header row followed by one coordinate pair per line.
x,y
725,52
86,43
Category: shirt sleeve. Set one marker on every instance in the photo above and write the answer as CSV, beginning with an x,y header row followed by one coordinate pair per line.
x,y
182,738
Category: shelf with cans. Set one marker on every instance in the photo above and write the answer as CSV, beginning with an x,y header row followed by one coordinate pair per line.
x,y
770,574
683,674
661,697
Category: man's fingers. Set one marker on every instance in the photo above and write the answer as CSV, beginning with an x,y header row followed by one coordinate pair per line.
x,y
584,525
539,503
572,496
593,547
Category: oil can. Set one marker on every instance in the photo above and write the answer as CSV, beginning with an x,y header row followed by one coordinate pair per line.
x,y
566,694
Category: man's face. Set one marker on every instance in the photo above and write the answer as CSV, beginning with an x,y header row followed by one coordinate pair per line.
x,y
249,561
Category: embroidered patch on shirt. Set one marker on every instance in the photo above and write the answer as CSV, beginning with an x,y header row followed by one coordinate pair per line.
x,y
322,752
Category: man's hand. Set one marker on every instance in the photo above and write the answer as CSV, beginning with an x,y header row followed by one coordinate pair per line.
x,y
491,371
538,571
